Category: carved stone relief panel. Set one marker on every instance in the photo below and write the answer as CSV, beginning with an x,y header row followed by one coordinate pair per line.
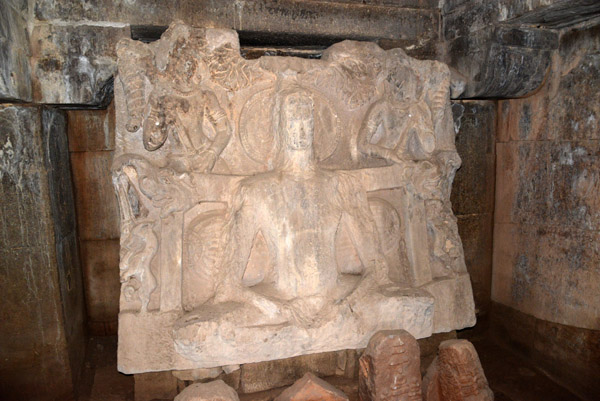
x,y
281,206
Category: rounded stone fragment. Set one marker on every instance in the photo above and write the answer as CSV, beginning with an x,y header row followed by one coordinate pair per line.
x,y
390,368
456,375
214,391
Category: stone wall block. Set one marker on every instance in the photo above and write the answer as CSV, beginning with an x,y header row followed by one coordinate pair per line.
x,y
550,273
470,17
15,78
74,64
567,354
400,20
21,172
54,124
97,209
157,11
547,212
91,134
578,106
575,177
465,16
522,182
100,259
525,119
155,385
548,183
476,235
92,130
506,182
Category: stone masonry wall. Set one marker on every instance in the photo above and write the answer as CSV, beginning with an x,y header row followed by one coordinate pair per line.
x,y
547,219
547,216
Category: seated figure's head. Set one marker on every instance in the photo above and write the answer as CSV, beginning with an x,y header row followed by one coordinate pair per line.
x,y
296,120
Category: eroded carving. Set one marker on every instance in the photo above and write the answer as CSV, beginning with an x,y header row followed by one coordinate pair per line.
x,y
390,368
281,206
287,209
456,374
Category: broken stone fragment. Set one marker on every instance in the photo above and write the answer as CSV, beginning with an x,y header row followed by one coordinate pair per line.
x,y
213,391
431,384
390,368
311,388
198,374
456,375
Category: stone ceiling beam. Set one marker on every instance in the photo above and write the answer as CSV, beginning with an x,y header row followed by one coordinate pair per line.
x,y
504,48
73,42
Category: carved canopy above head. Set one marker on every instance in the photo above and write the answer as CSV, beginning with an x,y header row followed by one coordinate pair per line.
x,y
305,197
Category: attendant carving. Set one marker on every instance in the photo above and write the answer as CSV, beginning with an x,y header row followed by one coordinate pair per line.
x,y
398,127
178,108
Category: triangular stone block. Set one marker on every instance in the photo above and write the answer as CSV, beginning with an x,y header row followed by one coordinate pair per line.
x,y
311,388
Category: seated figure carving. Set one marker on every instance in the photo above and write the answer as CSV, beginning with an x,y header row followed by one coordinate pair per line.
x,y
398,127
297,210
290,218
280,206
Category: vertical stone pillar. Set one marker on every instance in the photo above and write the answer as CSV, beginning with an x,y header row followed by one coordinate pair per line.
x,y
91,144
42,341
473,192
